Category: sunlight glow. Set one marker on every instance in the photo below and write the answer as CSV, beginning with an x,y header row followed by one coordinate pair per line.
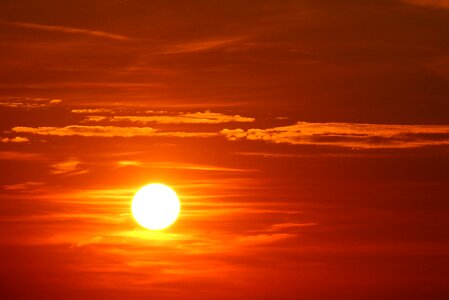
x,y
155,206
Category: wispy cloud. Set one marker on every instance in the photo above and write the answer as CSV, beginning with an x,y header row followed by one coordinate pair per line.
x,y
17,139
274,155
93,240
72,166
202,45
263,239
88,131
127,163
29,102
94,119
107,131
307,155
179,165
287,226
16,155
67,29
22,186
206,117
91,110
351,135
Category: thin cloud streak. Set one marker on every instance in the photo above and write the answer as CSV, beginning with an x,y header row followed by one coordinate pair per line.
x,y
201,46
20,156
67,29
22,186
179,165
91,110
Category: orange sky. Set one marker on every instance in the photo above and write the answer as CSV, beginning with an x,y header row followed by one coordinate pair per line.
x,y
308,142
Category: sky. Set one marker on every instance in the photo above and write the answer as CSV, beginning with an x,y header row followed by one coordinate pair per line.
x,y
308,142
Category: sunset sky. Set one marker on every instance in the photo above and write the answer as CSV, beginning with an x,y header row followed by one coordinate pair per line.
x,y
308,141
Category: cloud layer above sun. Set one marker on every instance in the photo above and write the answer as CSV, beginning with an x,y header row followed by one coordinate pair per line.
x,y
133,122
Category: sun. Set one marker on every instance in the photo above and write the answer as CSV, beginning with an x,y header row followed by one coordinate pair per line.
x,y
156,206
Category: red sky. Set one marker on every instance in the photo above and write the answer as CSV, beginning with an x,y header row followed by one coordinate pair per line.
x,y
307,140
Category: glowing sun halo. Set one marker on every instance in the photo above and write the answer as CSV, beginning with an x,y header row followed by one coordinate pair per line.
x,y
155,206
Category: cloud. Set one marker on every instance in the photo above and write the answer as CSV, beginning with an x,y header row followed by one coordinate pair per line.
x,y
95,119
306,155
88,131
206,117
200,46
14,155
179,165
70,30
274,155
351,135
107,131
72,166
198,167
91,110
263,239
185,134
17,139
22,186
29,102
127,163
432,3
284,226
94,240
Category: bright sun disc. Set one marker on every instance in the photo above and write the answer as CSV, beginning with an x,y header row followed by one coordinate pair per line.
x,y
155,206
